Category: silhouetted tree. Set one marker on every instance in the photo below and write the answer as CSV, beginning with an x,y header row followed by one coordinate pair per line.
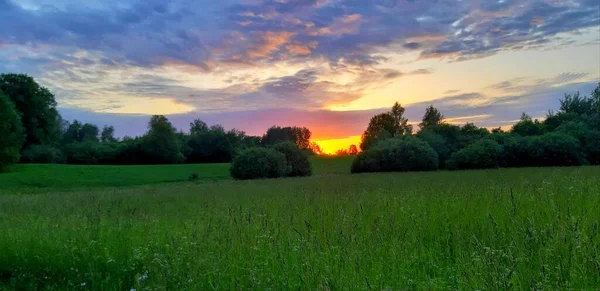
x,y
298,135
403,128
108,134
296,159
353,150
78,132
198,126
431,117
161,143
386,125
36,107
527,127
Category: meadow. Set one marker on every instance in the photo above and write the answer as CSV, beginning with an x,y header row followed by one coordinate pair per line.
x,y
148,228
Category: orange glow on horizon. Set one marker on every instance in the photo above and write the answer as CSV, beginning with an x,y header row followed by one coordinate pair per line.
x,y
331,146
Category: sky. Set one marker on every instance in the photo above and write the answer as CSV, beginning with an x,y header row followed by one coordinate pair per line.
x,y
328,65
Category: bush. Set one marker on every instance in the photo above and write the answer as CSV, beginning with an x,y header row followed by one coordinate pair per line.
x,y
483,154
516,150
259,163
296,159
397,155
193,177
438,144
556,149
41,154
592,147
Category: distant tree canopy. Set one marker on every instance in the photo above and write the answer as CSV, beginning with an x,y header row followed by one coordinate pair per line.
x,y
568,137
298,135
12,134
36,107
161,143
108,134
432,117
386,125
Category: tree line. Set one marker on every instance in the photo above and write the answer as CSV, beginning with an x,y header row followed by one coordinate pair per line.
x,y
32,131
567,137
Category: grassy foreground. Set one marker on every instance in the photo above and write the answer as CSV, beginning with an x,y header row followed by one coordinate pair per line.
x,y
493,229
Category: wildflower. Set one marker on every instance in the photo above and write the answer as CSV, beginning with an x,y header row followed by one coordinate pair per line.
x,y
82,284
143,277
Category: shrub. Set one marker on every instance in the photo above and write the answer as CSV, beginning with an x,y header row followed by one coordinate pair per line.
x,y
516,150
296,159
438,144
483,154
41,154
592,147
556,149
259,163
193,177
397,155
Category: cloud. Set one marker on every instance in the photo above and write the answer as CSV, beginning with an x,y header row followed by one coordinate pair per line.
x,y
199,33
483,110
221,56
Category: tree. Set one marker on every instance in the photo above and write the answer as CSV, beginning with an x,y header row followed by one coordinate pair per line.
x,y
403,128
527,127
381,127
556,149
431,117
108,134
438,143
160,143
397,155
12,133
342,152
298,135
35,105
78,132
296,159
353,150
314,148
577,104
89,132
385,125
470,133
197,127
211,146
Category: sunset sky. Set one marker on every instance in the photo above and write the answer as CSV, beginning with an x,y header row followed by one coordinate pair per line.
x,y
325,64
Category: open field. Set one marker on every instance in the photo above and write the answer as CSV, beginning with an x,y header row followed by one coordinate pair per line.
x,y
39,178
492,229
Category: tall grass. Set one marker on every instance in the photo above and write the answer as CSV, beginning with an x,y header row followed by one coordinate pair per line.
x,y
494,229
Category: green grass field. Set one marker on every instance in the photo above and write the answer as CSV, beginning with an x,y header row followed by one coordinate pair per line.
x,y
487,230
40,178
